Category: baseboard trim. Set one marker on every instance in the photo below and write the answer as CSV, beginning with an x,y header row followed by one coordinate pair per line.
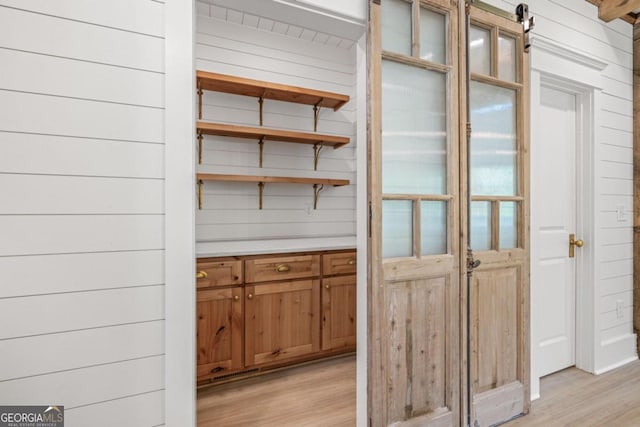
x,y
615,365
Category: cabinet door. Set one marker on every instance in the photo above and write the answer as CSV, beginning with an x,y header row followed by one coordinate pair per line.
x,y
339,313
219,331
282,321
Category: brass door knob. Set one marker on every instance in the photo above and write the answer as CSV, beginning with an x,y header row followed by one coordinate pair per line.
x,y
573,242
201,275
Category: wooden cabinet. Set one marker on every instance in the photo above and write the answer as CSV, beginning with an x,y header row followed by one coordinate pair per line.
x,y
219,272
282,268
260,312
282,321
219,331
339,313
339,301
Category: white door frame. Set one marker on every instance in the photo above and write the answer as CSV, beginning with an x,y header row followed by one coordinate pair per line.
x,y
550,68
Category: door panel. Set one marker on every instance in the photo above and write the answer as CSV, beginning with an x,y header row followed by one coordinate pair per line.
x,y
499,221
554,270
419,318
415,214
417,339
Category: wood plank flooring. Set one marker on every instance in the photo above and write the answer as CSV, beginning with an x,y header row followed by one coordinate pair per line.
x,y
323,394
320,394
575,398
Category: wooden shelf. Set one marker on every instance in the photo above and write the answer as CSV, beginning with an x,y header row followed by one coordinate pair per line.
x,y
318,183
271,179
268,134
266,90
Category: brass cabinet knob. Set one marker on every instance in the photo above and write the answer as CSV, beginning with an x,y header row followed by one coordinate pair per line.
x,y
236,298
282,268
326,286
250,296
351,261
201,275
579,243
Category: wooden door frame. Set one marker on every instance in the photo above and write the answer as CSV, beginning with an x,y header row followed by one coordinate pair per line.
x,y
636,184
585,216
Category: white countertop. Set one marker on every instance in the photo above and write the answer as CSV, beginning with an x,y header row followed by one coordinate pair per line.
x,y
256,247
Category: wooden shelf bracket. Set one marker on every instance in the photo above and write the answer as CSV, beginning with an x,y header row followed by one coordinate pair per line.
x,y
261,145
261,104
199,147
260,194
200,183
317,188
316,154
316,114
199,100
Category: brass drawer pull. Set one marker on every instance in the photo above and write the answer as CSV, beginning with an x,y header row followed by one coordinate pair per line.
x,y
351,261
282,268
201,275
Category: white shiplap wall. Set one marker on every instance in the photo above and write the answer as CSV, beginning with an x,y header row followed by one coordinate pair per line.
x,y
82,212
237,43
575,25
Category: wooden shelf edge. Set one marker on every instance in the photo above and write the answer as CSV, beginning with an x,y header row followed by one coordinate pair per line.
x,y
271,179
256,88
269,134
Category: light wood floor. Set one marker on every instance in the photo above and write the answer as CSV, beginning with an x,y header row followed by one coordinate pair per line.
x,y
323,394
575,398
320,394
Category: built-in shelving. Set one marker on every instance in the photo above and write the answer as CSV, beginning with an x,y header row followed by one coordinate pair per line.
x,y
318,183
275,91
266,90
262,134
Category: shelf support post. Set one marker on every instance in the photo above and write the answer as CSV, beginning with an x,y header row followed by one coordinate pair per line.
x,y
316,192
261,103
316,114
199,147
260,193
199,100
261,145
200,183
317,147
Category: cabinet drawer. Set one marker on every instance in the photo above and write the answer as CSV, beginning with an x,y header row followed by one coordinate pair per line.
x,y
219,272
339,263
282,268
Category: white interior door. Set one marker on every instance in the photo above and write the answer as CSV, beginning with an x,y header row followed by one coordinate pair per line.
x,y
554,210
